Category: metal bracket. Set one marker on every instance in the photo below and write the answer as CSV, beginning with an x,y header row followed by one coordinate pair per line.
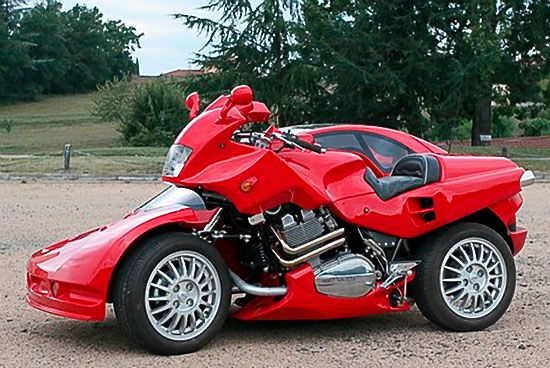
x,y
398,270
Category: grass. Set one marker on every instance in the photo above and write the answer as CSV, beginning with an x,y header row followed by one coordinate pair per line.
x,y
99,165
44,127
56,109
536,159
39,131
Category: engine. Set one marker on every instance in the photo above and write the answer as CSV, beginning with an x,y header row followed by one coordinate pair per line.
x,y
298,230
305,235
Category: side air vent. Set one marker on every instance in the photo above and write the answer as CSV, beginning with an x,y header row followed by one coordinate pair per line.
x,y
421,209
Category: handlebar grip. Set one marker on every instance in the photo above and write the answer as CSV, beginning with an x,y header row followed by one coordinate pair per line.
x,y
309,146
305,144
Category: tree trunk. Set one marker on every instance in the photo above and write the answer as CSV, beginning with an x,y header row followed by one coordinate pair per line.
x,y
481,128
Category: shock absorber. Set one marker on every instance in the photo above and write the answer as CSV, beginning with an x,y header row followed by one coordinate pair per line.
x,y
258,257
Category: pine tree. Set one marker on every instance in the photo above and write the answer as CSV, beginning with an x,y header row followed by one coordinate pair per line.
x,y
255,45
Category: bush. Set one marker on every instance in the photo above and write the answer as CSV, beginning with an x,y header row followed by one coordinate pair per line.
x,y
504,126
535,127
464,129
150,114
111,101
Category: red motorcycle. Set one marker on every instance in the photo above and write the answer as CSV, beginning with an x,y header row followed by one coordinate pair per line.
x,y
305,223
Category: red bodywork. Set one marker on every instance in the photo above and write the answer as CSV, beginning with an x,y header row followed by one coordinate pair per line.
x,y
72,278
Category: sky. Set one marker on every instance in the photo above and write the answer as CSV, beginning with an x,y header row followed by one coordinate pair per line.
x,y
166,44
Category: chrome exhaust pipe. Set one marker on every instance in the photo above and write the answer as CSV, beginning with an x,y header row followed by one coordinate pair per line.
x,y
305,257
309,245
256,290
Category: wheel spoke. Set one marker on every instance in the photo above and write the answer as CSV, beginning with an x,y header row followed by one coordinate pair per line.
x,y
462,264
185,319
454,290
457,279
192,321
453,270
465,254
164,288
205,282
163,308
474,256
167,317
174,270
174,324
459,297
168,278
200,273
191,268
159,299
183,266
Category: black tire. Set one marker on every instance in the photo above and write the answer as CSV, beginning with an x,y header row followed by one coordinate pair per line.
x,y
131,283
426,286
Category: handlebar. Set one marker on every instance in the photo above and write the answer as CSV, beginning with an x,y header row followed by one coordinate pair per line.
x,y
294,141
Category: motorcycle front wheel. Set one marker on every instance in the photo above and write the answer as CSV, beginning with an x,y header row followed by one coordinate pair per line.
x,y
172,293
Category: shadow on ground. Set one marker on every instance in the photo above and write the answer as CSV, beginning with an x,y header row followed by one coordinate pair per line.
x,y
107,336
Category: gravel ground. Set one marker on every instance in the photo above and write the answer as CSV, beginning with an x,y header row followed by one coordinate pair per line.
x,y
36,214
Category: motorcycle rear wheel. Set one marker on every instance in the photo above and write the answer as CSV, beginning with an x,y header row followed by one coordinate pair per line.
x,y
172,293
467,277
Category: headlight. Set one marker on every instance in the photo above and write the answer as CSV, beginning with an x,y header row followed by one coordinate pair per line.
x,y
176,158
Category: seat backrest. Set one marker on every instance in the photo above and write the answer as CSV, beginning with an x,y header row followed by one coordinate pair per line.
x,y
422,166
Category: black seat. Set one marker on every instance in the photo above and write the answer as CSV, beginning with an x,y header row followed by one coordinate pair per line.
x,y
409,172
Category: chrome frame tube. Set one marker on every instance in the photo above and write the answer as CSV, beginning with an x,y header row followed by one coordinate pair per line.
x,y
256,290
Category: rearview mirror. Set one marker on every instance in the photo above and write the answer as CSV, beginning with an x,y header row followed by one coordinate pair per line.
x,y
193,103
241,96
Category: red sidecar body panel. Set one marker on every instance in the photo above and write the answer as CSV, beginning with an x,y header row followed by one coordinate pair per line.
x,y
71,278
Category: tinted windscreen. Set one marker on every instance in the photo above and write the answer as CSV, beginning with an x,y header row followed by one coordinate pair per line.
x,y
383,151
174,196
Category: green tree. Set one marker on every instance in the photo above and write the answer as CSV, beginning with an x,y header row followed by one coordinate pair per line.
x,y
405,64
378,60
14,57
99,51
488,42
44,28
254,43
9,11
47,50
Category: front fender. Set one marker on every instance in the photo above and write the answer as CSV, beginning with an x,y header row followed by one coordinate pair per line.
x,y
71,278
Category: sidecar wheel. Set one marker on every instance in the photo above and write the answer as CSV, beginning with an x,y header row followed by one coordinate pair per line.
x,y
172,294
467,277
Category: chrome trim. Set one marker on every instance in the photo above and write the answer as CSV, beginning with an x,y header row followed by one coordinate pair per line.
x,y
307,246
256,290
347,276
305,257
527,178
